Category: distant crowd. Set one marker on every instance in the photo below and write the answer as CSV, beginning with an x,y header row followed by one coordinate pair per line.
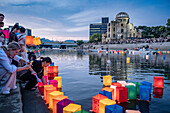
x,y
15,62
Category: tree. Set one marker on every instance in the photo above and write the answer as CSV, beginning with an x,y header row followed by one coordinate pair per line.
x,y
79,42
162,29
95,38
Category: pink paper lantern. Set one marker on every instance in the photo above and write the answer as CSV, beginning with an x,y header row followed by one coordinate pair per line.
x,y
54,83
6,32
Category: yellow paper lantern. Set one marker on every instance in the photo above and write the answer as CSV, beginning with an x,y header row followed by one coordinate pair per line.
x,y
128,60
56,100
59,79
105,102
53,95
45,87
107,80
38,40
71,108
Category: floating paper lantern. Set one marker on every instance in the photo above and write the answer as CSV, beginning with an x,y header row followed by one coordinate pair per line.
x,y
155,54
137,87
128,60
56,100
106,93
158,92
113,109
147,84
63,103
46,87
164,57
47,91
95,102
139,52
41,89
82,111
107,80
6,33
103,103
59,79
54,83
144,93
147,57
121,94
131,91
50,76
55,69
158,82
160,53
29,40
53,95
71,108
45,71
52,64
50,69
110,90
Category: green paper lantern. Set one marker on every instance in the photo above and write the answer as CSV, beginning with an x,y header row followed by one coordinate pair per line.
x,y
137,87
82,111
131,91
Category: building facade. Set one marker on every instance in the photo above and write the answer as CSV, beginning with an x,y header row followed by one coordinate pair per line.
x,y
120,29
99,28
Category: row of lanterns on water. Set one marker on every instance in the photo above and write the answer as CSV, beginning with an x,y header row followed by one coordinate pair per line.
x,y
128,52
105,101
54,98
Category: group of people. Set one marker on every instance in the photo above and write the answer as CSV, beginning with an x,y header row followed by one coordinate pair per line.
x,y
15,63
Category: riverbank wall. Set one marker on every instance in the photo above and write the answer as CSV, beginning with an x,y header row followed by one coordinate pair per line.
x,y
163,46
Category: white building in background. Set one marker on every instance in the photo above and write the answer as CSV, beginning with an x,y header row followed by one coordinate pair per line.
x,y
120,29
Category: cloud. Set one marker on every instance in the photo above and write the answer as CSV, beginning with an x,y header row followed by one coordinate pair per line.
x,y
77,29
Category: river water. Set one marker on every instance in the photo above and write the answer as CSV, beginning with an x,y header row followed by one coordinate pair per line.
x,y
82,76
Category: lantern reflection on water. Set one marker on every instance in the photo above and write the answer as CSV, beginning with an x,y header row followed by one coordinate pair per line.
x,y
158,92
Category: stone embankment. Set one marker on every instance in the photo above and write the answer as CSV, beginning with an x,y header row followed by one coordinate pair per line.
x,y
22,101
163,46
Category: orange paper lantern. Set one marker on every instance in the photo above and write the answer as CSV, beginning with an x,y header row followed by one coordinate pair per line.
x,y
95,102
47,91
46,87
56,100
29,40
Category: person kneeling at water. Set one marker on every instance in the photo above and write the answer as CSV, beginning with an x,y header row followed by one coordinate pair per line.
x,y
34,78
8,70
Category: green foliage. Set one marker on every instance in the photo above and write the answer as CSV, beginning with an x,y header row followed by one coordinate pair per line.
x,y
95,38
157,31
79,42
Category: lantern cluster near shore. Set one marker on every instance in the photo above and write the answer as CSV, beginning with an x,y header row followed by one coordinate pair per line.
x,y
121,91
56,101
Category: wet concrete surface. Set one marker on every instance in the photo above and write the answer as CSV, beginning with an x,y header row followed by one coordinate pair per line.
x,y
11,103
32,101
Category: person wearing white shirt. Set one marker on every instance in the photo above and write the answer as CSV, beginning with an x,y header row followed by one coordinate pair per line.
x,y
7,70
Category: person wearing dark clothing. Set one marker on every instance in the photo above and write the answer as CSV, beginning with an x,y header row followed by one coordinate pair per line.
x,y
38,67
12,35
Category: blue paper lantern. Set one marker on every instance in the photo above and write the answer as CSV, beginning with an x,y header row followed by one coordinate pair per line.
x,y
113,109
164,57
52,64
106,93
147,84
144,92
